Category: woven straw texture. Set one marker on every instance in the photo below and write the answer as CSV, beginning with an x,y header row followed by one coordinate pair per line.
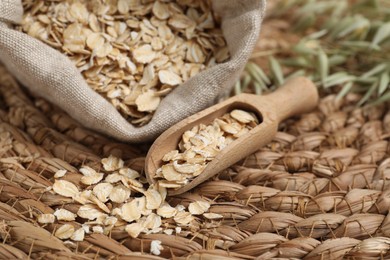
x,y
320,190
51,75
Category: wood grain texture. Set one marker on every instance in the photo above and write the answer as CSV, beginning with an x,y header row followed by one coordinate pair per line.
x,y
297,96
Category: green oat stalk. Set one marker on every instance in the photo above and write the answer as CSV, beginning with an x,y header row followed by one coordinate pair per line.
x,y
344,47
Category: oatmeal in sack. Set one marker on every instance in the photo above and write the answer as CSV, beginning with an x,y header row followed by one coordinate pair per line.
x,y
129,68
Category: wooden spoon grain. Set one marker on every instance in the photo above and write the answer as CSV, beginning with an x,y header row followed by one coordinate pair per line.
x,y
296,96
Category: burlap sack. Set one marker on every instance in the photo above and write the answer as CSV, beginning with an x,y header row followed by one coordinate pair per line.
x,y
48,73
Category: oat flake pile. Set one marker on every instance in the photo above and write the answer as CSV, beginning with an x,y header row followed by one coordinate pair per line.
x,y
208,74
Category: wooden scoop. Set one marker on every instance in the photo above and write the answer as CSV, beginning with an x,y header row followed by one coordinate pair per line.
x,y
298,95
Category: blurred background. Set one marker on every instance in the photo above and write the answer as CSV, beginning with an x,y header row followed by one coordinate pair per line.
x,y
342,45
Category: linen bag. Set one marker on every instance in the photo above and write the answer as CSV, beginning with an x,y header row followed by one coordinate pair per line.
x,y
48,73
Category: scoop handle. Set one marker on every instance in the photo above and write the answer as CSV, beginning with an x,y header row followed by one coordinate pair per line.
x,y
298,95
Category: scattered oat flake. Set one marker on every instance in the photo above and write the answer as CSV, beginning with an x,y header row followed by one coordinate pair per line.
x,y
183,218
113,178
87,171
124,6
97,229
195,54
153,199
64,231
110,221
100,219
92,179
65,215
46,218
198,207
95,40
144,54
149,75
130,211
129,173
156,247
134,229
102,191
119,194
83,196
116,212
86,228
180,208
141,205
166,211
79,11
180,21
112,163
78,235
104,50
74,40
161,10
169,77
152,221
65,188
147,101
60,173
133,184
100,204
89,211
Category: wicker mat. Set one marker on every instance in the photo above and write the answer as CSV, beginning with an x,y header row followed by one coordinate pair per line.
x,y
318,191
